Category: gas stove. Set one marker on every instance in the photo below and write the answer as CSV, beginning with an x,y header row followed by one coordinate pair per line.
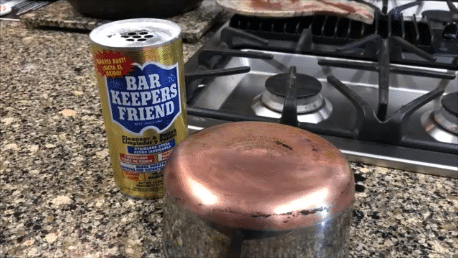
x,y
384,94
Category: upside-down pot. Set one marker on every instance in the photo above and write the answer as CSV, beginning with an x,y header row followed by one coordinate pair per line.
x,y
254,189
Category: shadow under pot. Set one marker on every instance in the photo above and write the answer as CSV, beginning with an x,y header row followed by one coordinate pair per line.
x,y
254,189
125,9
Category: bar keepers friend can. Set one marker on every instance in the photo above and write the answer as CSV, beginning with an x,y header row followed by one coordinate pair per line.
x,y
139,70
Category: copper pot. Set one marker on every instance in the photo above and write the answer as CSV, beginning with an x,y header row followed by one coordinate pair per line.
x,y
125,9
253,189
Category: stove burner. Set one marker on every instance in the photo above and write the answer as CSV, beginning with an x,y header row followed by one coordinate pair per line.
x,y
306,86
447,115
442,124
311,106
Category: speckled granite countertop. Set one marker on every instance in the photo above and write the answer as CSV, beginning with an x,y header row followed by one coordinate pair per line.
x,y
61,15
58,197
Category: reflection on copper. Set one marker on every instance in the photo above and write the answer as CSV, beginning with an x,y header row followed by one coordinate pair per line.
x,y
314,199
204,195
256,175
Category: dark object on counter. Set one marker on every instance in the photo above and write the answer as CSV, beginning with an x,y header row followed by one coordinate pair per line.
x,y
255,189
124,9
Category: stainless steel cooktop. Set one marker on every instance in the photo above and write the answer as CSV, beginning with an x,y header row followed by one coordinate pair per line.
x,y
338,97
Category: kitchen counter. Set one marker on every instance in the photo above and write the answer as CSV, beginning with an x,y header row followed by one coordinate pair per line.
x,y
58,197
62,15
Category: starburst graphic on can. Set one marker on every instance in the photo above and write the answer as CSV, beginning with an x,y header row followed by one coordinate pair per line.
x,y
148,97
112,64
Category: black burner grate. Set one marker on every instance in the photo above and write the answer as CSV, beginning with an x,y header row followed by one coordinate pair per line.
x,y
323,36
337,30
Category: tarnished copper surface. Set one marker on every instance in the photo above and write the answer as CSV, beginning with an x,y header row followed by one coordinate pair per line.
x,y
259,176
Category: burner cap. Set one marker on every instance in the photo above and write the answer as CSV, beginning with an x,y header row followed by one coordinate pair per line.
x,y
306,86
450,103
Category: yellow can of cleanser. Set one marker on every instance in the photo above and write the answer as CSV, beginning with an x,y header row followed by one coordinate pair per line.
x,y
139,70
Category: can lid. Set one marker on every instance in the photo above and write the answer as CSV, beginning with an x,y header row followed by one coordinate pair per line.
x,y
135,33
259,176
